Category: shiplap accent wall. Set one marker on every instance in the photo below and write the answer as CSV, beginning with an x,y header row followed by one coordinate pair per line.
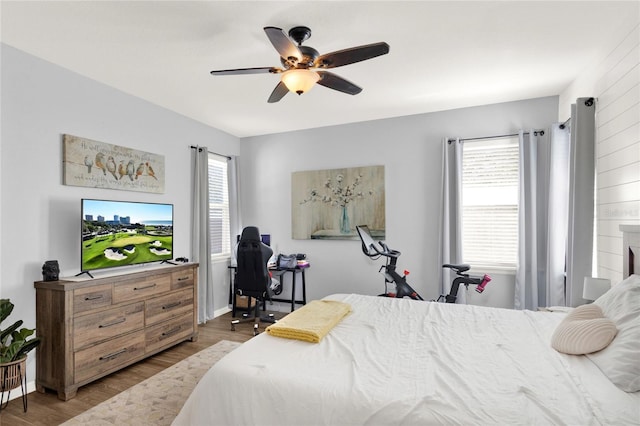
x,y
615,82
617,153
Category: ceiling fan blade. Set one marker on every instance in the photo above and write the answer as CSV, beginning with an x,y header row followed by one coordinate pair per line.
x,y
351,55
340,84
283,44
278,93
238,71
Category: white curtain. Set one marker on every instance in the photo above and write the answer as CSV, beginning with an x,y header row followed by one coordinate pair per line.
x,y
556,229
235,221
581,198
451,214
542,219
200,243
557,214
530,280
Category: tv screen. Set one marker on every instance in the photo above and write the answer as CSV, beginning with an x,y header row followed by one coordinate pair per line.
x,y
119,233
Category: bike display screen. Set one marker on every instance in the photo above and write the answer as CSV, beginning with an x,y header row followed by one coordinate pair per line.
x,y
367,241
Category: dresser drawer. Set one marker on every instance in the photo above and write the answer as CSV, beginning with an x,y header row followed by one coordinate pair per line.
x,y
88,298
108,356
182,279
162,308
167,333
140,289
93,328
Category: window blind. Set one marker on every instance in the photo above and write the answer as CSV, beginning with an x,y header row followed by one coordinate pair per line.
x,y
219,232
490,202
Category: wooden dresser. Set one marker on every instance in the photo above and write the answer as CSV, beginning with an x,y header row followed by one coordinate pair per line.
x,y
93,327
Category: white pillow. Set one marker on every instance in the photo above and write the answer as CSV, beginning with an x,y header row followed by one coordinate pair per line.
x,y
620,361
620,302
584,330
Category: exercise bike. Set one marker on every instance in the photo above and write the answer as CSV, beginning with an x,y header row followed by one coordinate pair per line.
x,y
464,279
369,248
403,289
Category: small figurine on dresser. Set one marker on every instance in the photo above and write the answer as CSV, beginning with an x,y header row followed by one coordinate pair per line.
x,y
50,270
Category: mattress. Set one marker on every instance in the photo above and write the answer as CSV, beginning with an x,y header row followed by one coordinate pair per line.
x,y
400,361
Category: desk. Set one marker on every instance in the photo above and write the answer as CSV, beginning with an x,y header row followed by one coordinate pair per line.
x,y
280,273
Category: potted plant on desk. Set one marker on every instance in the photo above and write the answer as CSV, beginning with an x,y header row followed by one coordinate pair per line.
x,y
14,346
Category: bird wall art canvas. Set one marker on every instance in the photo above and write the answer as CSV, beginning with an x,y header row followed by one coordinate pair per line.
x,y
101,165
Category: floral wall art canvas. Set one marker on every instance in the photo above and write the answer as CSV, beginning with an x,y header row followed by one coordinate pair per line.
x,y
328,204
101,165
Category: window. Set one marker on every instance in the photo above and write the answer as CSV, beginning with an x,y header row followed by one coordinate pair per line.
x,y
490,202
219,206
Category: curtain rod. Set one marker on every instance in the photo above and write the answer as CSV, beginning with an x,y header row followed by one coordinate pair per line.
x,y
535,132
588,102
210,152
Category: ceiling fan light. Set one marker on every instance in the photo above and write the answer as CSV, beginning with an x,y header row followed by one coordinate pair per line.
x,y
300,81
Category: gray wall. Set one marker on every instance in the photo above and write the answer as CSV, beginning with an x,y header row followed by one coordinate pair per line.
x,y
410,148
40,217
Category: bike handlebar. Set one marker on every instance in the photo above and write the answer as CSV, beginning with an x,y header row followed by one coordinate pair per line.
x,y
386,251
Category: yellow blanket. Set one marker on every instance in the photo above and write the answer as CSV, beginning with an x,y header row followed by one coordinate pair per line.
x,y
311,322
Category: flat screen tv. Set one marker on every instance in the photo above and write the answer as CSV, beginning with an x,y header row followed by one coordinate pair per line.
x,y
120,233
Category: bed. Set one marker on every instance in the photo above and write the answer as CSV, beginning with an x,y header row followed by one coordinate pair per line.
x,y
401,361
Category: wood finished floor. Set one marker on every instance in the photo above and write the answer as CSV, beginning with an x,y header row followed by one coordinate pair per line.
x,y
47,409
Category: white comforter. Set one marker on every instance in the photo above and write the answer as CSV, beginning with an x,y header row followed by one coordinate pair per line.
x,y
399,361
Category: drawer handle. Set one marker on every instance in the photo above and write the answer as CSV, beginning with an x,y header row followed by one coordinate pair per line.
x,y
121,320
171,305
113,355
183,278
99,296
145,287
171,332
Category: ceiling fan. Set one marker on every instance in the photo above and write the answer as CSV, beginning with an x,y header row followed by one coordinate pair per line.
x,y
303,66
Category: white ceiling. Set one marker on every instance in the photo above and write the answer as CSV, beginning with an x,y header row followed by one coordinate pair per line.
x,y
443,55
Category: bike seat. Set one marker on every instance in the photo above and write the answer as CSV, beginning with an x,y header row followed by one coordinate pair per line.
x,y
462,267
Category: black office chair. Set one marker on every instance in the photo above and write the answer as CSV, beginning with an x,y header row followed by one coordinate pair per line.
x,y
252,275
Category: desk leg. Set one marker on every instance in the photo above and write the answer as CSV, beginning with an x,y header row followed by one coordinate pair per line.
x,y
293,290
304,289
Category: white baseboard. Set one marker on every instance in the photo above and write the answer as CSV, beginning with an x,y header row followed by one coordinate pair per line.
x,y
221,311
